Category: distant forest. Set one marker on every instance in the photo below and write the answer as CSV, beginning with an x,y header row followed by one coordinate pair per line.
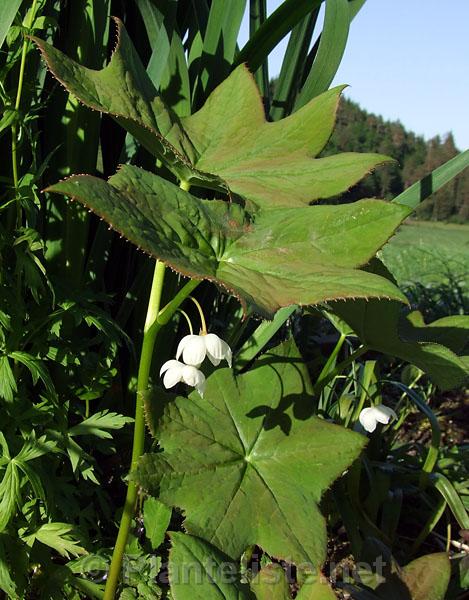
x,y
360,131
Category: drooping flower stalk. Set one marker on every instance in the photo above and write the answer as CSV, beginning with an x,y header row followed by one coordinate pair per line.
x,y
203,329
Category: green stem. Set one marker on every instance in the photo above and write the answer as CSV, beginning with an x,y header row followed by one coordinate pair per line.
x,y
331,360
165,314
14,130
367,379
149,337
186,316
201,313
155,319
434,448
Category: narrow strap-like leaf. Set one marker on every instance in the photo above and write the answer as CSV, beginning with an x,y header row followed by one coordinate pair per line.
x,y
273,30
219,46
8,10
159,24
257,16
262,336
292,66
330,51
167,66
432,182
355,7
197,20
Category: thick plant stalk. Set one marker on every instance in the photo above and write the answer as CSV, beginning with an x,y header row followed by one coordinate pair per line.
x,y
155,319
149,337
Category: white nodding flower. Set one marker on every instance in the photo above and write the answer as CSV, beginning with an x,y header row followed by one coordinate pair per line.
x,y
175,372
194,348
370,417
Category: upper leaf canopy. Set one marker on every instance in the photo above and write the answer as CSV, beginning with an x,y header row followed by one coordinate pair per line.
x,y
268,259
227,145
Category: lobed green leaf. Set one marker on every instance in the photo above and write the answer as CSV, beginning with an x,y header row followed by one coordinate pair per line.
x,y
268,259
239,459
227,145
437,348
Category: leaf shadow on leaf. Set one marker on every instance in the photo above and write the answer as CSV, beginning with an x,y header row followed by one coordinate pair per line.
x,y
299,405
172,93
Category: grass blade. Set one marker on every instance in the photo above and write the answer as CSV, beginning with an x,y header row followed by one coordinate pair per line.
x,y
432,182
330,51
75,130
273,30
262,335
355,7
8,10
293,67
446,489
159,24
219,46
257,16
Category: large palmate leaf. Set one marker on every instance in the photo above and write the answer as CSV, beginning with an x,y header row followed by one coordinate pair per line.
x,y
248,463
199,571
228,144
269,259
437,348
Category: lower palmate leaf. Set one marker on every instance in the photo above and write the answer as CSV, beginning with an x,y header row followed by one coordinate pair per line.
x,y
268,259
440,349
248,463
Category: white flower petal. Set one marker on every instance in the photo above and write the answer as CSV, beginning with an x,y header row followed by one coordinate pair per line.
x,y
217,349
214,345
172,377
383,414
367,419
193,350
182,344
192,376
201,388
170,364
370,417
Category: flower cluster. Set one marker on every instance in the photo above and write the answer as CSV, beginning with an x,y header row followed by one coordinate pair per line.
x,y
194,349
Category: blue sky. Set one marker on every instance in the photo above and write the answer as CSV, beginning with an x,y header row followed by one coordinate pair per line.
x,y
407,60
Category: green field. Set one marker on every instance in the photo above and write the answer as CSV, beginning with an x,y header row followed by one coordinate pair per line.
x,y
429,252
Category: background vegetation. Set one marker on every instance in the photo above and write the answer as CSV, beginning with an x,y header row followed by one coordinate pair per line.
x,y
360,131
73,299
